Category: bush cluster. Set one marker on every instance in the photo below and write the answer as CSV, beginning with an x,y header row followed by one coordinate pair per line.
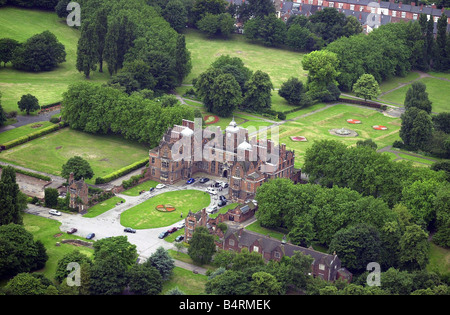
x,y
123,171
31,136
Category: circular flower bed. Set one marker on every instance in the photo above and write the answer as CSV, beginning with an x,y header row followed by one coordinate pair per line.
x,y
353,121
165,208
298,138
377,127
211,119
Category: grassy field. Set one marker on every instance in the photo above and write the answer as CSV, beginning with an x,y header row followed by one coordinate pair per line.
x,y
186,281
438,92
316,127
102,207
134,191
48,232
22,131
279,64
145,216
47,154
21,24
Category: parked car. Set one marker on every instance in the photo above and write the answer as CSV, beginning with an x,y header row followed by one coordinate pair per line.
x,y
212,209
152,189
71,230
129,230
221,184
179,238
163,234
190,181
223,198
222,203
90,236
212,191
173,229
204,180
54,212
159,186
181,225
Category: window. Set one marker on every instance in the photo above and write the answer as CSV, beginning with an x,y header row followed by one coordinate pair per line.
x,y
340,5
231,242
249,186
321,267
373,10
276,254
403,14
415,16
352,7
255,248
165,164
331,4
394,13
320,2
153,160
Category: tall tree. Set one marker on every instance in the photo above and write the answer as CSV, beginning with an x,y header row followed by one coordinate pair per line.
x,y
417,127
440,57
225,95
366,87
183,63
87,49
10,209
261,8
79,167
416,96
28,103
201,246
7,48
258,95
176,14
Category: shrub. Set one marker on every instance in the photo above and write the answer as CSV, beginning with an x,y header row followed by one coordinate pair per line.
x,y
30,136
54,120
123,171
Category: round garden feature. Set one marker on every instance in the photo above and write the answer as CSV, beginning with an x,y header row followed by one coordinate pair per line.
x,y
165,208
377,127
298,138
353,121
211,119
343,132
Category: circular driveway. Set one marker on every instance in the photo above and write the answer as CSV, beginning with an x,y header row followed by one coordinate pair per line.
x,y
108,224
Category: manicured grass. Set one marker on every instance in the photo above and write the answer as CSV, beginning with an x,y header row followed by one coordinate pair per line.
x,y
187,281
102,207
46,230
105,153
316,127
439,259
134,191
397,81
20,24
438,93
15,133
279,64
257,228
145,216
415,159
175,254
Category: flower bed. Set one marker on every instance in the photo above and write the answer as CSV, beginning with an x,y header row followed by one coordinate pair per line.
x,y
298,138
165,208
211,119
377,127
353,121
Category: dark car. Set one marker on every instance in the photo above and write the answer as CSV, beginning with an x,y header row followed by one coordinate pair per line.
x,y
222,203
90,236
190,180
179,238
204,180
223,198
129,230
71,230
163,234
171,230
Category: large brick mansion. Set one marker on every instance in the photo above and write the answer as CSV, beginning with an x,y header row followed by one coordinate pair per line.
x,y
242,162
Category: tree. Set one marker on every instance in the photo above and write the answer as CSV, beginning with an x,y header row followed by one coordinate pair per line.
x,y
109,276
183,63
87,48
264,283
144,280
3,117
261,8
20,253
176,14
442,122
234,66
417,127
416,96
116,246
297,37
229,283
201,246
299,267
225,95
258,95
7,48
24,284
75,256
79,167
322,67
440,60
366,87
414,248
51,197
10,207
162,261
293,91
356,246
41,52
216,24
246,259
28,103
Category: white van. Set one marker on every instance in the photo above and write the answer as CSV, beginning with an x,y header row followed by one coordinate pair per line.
x,y
211,190
54,212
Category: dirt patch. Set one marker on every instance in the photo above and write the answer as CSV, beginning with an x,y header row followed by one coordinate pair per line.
x,y
104,160
58,235
36,126
57,148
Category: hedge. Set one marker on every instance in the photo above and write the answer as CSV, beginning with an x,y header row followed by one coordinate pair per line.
x,y
123,171
31,136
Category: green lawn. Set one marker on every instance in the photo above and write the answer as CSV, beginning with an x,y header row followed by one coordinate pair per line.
x,y
20,24
398,81
224,209
187,281
15,133
105,153
439,259
48,232
316,127
145,216
134,191
278,63
438,92
102,207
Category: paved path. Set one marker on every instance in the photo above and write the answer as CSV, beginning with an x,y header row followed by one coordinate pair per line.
x,y
390,149
23,120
